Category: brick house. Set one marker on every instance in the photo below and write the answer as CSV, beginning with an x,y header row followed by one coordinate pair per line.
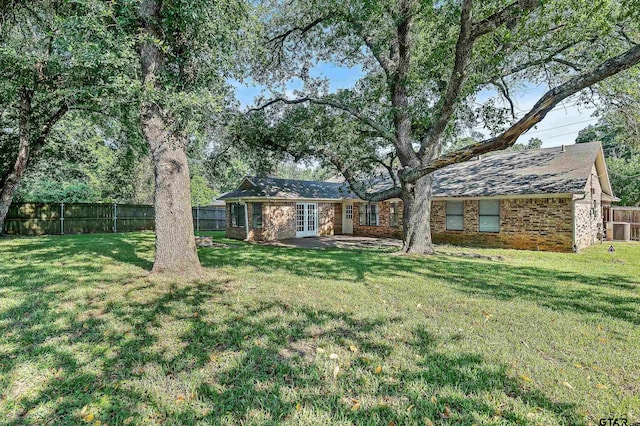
x,y
547,199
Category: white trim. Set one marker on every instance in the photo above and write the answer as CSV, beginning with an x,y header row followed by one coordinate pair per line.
x,y
305,220
246,218
606,188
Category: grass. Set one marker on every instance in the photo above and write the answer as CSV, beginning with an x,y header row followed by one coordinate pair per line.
x,y
532,338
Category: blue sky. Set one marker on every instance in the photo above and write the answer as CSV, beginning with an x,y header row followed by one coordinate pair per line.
x,y
559,127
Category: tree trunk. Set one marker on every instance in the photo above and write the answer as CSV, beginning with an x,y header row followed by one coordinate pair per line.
x,y
416,199
15,175
175,242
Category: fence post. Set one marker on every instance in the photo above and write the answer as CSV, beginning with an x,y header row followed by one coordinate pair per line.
x,y
198,218
115,218
61,218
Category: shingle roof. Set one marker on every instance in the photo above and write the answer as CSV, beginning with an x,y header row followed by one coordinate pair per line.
x,y
267,187
540,171
537,171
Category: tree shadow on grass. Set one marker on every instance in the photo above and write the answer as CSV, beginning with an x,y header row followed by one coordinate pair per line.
x,y
189,353
61,249
602,293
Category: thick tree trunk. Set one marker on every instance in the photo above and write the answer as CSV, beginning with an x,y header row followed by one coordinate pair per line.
x,y
175,243
12,180
416,199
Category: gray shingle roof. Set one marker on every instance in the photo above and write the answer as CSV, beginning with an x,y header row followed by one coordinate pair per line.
x,y
539,171
267,187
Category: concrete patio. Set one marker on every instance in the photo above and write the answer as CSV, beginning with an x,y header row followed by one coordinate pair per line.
x,y
337,241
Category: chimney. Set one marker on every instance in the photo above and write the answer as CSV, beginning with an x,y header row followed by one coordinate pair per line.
x,y
563,149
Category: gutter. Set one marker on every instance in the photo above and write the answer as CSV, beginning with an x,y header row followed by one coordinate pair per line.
x,y
573,214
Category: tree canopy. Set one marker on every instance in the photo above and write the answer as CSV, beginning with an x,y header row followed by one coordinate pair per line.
x,y
432,71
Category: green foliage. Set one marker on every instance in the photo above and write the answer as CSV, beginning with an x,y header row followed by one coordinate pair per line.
x,y
625,179
48,191
201,194
91,153
534,143
617,131
542,48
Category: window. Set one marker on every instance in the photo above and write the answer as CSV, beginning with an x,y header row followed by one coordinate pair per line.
x,y
237,215
256,215
455,216
368,214
489,216
394,214
349,212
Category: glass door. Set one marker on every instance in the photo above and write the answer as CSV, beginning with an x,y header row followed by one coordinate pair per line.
x,y
306,220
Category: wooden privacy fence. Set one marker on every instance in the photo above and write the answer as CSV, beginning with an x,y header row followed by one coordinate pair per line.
x,y
82,218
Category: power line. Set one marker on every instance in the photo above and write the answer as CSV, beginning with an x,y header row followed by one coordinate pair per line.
x,y
560,127
555,136
551,128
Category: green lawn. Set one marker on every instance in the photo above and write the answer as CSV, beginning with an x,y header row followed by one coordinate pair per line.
x,y
276,335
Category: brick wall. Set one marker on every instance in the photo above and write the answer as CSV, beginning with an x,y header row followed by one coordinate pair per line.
x,y
525,223
384,229
329,218
589,216
279,221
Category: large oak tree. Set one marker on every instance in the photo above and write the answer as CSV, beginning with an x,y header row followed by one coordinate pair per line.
x,y
432,71
55,57
186,55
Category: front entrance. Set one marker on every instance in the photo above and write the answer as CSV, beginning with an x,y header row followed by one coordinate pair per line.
x,y
347,218
306,220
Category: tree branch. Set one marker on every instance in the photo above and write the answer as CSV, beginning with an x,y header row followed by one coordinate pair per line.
x,y
462,56
469,33
384,133
357,187
279,39
548,101
504,90
48,125
507,15
541,61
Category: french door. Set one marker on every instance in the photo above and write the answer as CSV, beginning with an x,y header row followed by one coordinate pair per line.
x,y
306,220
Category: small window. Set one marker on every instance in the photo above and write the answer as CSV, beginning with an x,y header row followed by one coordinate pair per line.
x,y
455,215
348,214
489,216
256,215
368,214
237,215
394,214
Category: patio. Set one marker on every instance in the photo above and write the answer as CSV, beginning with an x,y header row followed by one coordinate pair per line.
x,y
337,241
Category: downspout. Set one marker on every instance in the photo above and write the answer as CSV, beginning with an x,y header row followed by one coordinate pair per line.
x,y
573,212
